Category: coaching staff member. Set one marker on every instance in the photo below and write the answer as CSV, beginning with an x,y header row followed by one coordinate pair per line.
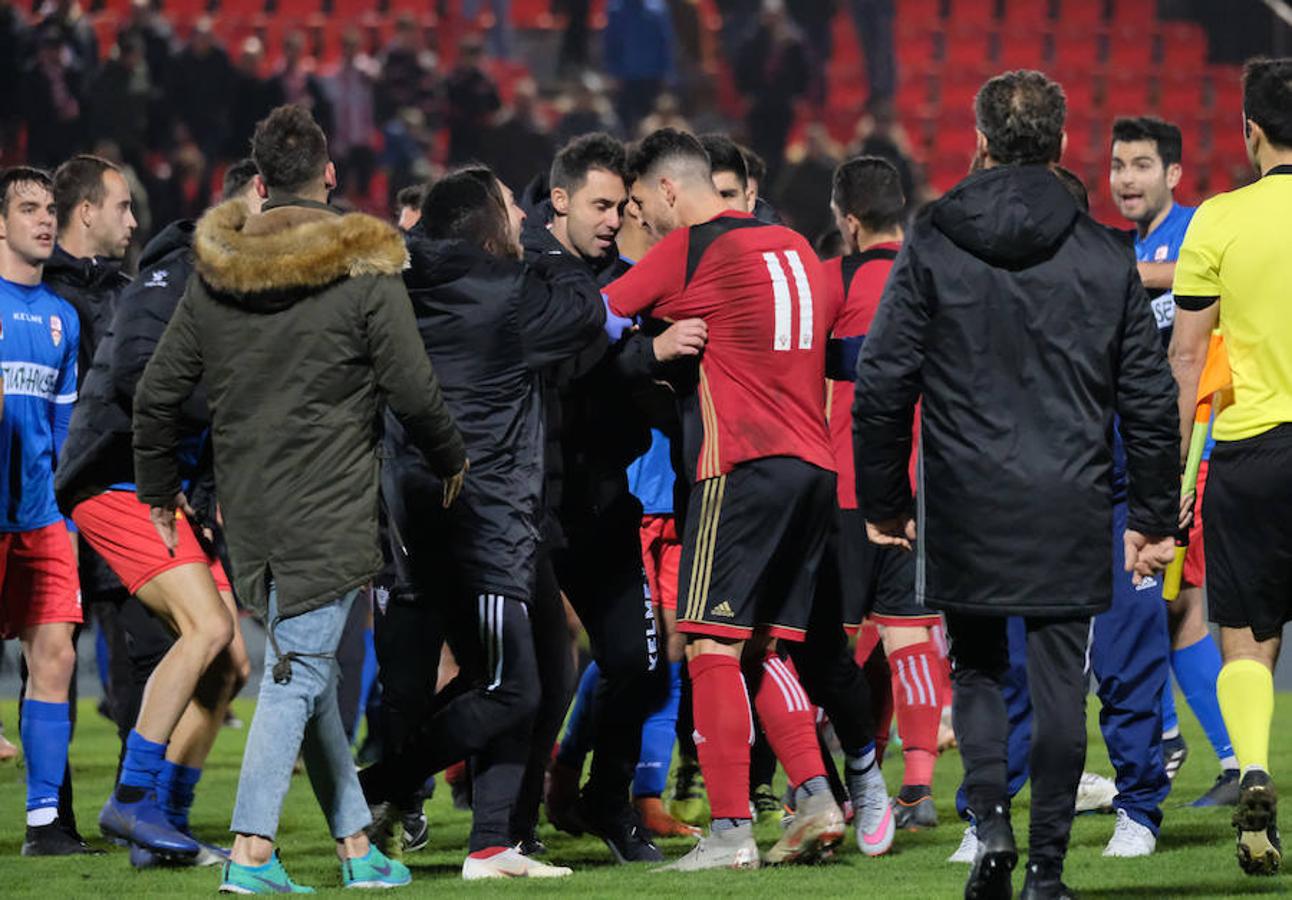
x,y
1026,329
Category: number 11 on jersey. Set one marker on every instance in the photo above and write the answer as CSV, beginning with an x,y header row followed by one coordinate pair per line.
x,y
781,292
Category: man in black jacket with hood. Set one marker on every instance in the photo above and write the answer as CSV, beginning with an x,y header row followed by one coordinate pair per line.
x,y
1024,327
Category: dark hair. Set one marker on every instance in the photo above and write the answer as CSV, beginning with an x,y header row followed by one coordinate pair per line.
x,y
467,205
412,196
1267,98
289,148
77,180
237,177
754,164
725,156
870,189
15,175
1165,136
1022,114
1074,186
583,154
666,144
830,244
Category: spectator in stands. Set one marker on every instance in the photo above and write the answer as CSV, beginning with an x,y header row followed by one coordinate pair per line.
x,y
880,134
499,27
14,39
253,96
573,56
200,89
739,17
158,38
666,114
472,101
874,21
520,146
350,88
120,98
408,74
814,18
639,52
801,184
51,103
67,22
299,84
772,70
589,110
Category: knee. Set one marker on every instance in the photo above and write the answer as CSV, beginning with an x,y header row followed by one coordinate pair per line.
x,y
51,665
213,634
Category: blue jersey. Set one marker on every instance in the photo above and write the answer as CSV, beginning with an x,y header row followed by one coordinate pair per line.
x,y
651,477
1161,245
39,337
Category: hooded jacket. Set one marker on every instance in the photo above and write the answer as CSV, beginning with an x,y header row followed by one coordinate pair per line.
x,y
97,453
92,287
490,327
298,325
1024,327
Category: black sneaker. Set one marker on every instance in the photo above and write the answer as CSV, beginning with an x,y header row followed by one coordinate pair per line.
x,y
1223,793
417,831
1045,882
622,832
55,840
461,791
1256,819
531,846
993,866
1174,752
913,808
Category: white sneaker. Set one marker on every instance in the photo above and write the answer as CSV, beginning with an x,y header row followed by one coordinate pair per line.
x,y
872,812
510,864
968,848
1130,838
733,848
817,828
1095,793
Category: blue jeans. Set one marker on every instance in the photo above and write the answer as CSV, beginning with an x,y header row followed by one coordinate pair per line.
x,y
300,716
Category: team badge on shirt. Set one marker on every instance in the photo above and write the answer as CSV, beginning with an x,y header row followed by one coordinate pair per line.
x,y
1161,253
56,330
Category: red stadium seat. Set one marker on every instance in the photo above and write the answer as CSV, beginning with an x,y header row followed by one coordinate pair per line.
x,y
1080,91
297,11
980,14
1082,13
1130,51
916,51
237,9
1077,53
1227,89
956,96
184,10
1184,48
1128,94
968,49
1023,48
1034,14
1181,95
924,13
1140,15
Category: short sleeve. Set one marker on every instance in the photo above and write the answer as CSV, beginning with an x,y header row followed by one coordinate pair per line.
x,y
67,374
1197,271
657,278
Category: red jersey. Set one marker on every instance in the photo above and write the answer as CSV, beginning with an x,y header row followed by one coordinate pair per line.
x,y
762,292
857,283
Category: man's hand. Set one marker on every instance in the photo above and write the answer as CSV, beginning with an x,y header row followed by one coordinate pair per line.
x,y
898,532
681,339
1187,502
453,484
1147,554
166,520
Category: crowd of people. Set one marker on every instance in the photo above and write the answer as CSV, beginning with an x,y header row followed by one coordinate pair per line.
x,y
627,400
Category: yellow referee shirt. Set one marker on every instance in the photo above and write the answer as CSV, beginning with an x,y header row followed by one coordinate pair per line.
x,y
1239,249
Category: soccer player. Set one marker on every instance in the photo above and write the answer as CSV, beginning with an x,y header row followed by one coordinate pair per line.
x,y
181,709
1233,273
1022,328
869,207
1146,167
730,172
759,515
40,599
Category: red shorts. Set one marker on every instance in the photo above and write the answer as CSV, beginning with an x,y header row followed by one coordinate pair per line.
x,y
661,555
1195,558
38,580
119,529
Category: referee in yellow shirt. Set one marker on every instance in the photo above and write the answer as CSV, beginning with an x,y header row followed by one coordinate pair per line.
x,y
1235,271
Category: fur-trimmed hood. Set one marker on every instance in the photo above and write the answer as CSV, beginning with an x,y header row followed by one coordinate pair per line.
x,y
275,258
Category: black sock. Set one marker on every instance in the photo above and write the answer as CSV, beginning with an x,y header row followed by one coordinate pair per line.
x,y
127,793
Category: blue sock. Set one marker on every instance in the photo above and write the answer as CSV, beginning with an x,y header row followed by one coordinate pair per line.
x,y
367,678
1170,720
1197,667
143,762
46,730
101,657
175,788
659,732
578,727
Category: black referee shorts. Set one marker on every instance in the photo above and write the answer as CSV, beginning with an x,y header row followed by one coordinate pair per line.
x,y
878,582
752,549
1247,530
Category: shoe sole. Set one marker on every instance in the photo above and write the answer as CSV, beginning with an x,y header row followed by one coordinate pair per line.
x,y
123,835
234,889
814,841
908,817
1257,853
378,885
991,878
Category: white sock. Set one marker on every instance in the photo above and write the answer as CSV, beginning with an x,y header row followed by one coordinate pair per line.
x,y
42,816
1228,763
1172,734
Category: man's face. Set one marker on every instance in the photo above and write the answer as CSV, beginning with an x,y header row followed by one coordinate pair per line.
x,y
657,202
408,217
29,223
734,194
112,223
592,213
1141,185
632,218
515,220
845,228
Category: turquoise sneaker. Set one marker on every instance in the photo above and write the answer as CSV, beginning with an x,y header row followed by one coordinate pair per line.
x,y
376,870
271,878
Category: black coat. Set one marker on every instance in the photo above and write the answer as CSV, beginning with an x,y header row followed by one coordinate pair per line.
x,y
1024,326
490,327
97,452
92,286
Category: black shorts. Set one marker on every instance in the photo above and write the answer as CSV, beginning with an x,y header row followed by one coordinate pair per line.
x,y
1247,530
752,549
878,582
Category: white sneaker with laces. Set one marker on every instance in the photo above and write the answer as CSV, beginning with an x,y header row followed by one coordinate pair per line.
x,y
968,848
872,812
733,848
1095,793
510,864
1130,839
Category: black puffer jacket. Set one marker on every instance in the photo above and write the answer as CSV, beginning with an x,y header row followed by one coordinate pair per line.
x,y
1025,327
92,286
97,452
490,327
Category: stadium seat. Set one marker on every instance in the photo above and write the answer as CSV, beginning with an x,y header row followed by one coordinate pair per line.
x,y
976,13
924,13
1227,89
297,11
956,96
1080,91
1077,54
1128,94
916,51
1184,48
1181,94
1083,13
185,10
238,9
968,49
1023,47
1140,15
1034,14
1130,51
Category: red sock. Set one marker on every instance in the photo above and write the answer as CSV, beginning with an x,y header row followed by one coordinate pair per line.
x,y
456,773
489,852
789,720
867,640
917,694
724,729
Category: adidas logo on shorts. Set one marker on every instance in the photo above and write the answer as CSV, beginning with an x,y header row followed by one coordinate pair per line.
x,y
724,610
